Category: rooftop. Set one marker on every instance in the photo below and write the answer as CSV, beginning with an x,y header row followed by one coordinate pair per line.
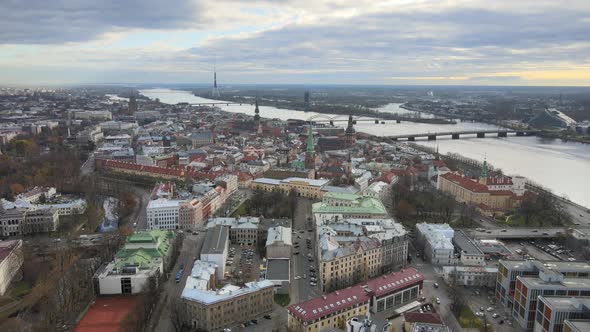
x,y
568,283
279,234
225,293
346,298
578,325
364,205
569,304
277,269
6,247
215,240
467,245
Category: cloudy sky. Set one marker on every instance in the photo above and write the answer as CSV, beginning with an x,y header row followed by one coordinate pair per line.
x,y
479,42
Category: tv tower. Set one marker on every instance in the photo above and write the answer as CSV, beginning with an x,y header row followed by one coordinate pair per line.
x,y
215,92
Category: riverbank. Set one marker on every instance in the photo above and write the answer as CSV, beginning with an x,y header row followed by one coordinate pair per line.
x,y
565,136
331,109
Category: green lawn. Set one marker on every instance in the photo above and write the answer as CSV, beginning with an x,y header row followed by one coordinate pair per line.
x,y
282,299
467,318
20,289
241,210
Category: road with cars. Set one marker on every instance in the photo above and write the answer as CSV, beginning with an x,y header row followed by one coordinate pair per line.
x,y
304,269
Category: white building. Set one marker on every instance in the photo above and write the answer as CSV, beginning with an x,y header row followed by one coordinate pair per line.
x,y
11,261
379,190
144,254
278,242
93,115
437,242
163,213
33,195
478,276
231,183
215,248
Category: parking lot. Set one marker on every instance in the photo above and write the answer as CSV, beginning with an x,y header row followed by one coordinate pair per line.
x,y
543,250
243,264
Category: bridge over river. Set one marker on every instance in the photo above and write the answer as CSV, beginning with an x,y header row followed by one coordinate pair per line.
x,y
458,134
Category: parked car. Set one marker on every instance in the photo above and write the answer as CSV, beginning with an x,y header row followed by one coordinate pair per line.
x,y
495,315
437,300
436,285
490,309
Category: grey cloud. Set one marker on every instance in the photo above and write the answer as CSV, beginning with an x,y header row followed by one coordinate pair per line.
x,y
58,21
443,43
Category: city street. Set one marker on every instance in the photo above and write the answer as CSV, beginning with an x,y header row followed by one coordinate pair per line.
x,y
301,290
171,290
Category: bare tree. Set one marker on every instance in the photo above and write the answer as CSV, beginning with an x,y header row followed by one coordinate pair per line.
x,y
177,315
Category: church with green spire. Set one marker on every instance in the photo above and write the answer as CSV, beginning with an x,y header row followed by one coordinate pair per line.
x,y
310,149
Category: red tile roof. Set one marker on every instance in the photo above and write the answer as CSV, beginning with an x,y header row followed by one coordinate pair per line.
x,y
345,298
439,163
465,182
389,283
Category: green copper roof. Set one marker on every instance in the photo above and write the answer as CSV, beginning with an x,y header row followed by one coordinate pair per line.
x,y
484,169
155,243
141,238
310,147
139,257
342,196
366,205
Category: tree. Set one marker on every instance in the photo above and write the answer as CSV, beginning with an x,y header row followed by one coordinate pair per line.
x,y
177,314
457,299
292,203
404,209
16,188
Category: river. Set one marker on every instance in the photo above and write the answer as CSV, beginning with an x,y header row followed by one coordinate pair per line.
x,y
557,165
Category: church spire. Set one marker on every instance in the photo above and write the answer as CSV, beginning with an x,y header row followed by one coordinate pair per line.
x,y
310,151
256,111
483,179
310,147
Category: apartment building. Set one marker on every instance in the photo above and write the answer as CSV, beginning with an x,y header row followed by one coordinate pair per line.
x,y
338,206
553,311
509,270
20,221
163,213
478,276
469,252
548,283
190,214
215,248
356,249
210,309
243,230
437,242
304,187
332,310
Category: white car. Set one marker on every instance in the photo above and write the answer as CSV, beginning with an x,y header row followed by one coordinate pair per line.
x,y
297,277
479,314
437,300
490,309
